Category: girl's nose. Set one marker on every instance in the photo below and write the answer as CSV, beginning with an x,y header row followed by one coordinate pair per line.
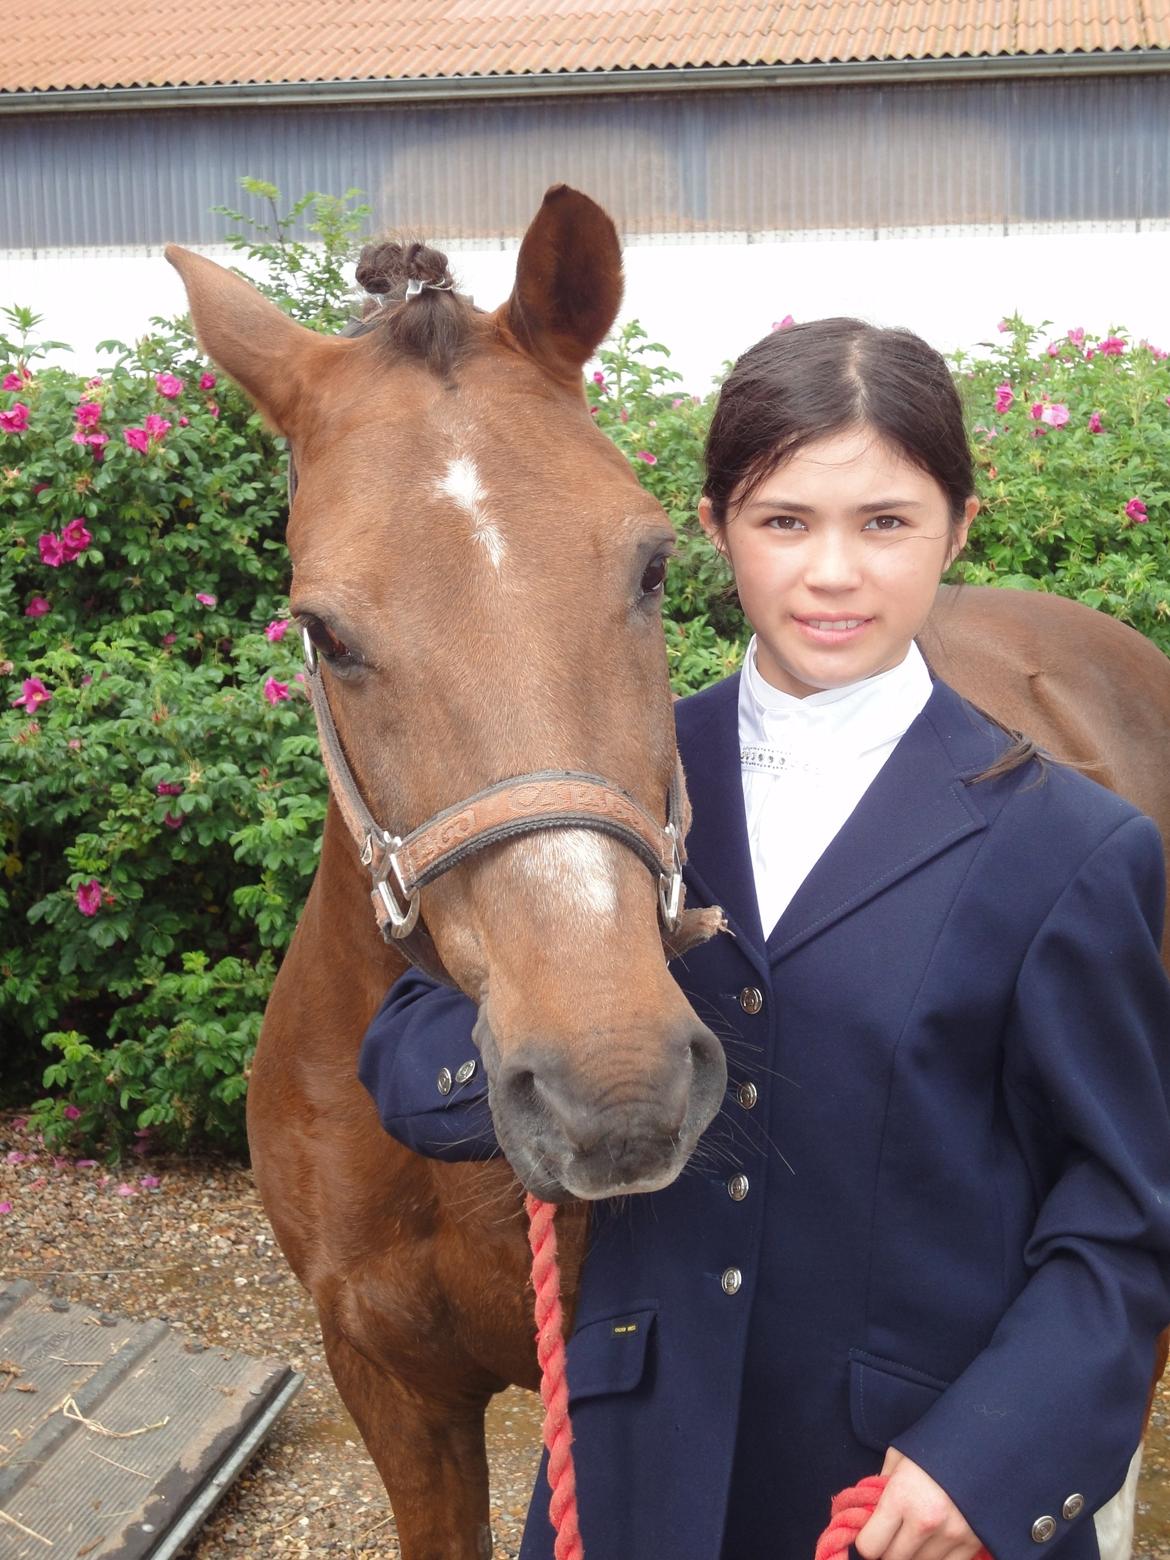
x,y
832,563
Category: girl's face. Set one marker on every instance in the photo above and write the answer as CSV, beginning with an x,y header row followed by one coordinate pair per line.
x,y
837,556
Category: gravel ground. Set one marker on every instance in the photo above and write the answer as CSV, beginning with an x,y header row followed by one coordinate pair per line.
x,y
188,1241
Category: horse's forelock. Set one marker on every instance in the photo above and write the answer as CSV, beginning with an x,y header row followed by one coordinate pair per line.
x,y
433,324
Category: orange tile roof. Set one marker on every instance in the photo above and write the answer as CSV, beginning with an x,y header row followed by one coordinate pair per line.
x,y
61,44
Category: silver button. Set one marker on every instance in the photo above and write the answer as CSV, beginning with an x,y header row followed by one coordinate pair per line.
x,y
1072,1507
737,1188
751,999
465,1072
731,1280
747,1094
443,1081
1042,1529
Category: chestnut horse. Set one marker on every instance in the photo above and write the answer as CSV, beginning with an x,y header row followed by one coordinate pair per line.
x,y
477,567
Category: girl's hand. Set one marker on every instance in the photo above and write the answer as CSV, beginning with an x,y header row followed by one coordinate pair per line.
x,y
915,1519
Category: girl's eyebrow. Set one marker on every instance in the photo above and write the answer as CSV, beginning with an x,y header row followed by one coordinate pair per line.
x,y
810,509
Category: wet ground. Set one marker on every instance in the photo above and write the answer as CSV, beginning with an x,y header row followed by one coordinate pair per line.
x,y
190,1243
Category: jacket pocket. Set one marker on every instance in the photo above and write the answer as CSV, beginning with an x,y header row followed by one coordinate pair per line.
x,y
886,1398
609,1355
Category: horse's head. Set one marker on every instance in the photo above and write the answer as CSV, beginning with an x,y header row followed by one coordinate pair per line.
x,y
480,574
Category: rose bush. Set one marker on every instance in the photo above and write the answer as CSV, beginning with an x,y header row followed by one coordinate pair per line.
x,y
161,796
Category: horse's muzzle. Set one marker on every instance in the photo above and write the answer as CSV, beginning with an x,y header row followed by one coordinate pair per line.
x,y
572,1135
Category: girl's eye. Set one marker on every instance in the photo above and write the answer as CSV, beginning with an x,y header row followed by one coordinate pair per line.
x,y
655,576
326,642
884,523
786,523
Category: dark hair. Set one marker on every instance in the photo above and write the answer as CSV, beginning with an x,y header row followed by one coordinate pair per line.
x,y
434,323
807,382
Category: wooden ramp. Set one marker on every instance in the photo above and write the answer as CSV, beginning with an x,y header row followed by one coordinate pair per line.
x,y
117,1438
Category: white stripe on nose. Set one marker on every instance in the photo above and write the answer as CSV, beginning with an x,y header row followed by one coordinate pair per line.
x,y
462,484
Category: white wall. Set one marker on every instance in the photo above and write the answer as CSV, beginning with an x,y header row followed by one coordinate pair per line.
x,y
707,301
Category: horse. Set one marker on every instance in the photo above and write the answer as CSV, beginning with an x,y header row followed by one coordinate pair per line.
x,y
479,570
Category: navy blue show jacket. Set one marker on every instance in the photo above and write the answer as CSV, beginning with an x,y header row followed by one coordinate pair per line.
x,y
934,1211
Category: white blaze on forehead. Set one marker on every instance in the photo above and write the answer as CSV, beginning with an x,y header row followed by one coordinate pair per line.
x,y
577,865
461,483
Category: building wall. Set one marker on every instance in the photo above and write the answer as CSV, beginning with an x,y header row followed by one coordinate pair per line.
x,y
752,162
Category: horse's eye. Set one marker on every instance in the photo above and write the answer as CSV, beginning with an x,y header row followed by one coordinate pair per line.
x,y
325,641
655,576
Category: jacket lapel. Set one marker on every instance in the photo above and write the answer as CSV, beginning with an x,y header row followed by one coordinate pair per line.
x,y
916,808
719,865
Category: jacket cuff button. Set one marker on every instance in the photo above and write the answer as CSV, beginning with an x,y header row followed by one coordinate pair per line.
x,y
444,1080
1072,1507
1042,1529
465,1072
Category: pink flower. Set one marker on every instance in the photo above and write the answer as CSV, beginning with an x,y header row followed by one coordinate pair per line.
x,y
169,386
89,897
168,788
599,379
85,1164
52,552
5,1207
1004,396
277,630
651,460
624,415
93,384
97,439
88,414
37,607
1053,349
783,324
169,639
13,382
74,744
1095,423
275,691
71,1113
15,420
126,1190
1136,511
207,382
213,409
173,820
149,1181
1055,415
1003,325
33,695
137,439
205,599
1037,410
74,539
184,422
1077,335
15,1157
1112,346
156,426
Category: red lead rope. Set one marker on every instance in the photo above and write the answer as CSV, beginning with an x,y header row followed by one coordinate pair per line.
x,y
554,1384
850,1511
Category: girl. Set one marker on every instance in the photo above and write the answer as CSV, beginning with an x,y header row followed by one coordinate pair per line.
x,y
930,1230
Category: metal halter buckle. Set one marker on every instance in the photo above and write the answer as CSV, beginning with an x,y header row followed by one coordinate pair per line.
x,y
670,888
402,922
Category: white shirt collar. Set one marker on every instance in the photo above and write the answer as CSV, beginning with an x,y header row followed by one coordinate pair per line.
x,y
853,719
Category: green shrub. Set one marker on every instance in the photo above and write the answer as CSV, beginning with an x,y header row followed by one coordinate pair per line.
x,y
161,796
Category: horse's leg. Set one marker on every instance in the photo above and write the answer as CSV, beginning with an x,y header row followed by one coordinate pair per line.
x,y
430,1453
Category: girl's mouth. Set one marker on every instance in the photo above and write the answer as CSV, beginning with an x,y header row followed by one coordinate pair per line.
x,y
832,631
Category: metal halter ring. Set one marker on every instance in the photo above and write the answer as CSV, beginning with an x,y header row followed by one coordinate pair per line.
x,y
402,922
670,888
415,286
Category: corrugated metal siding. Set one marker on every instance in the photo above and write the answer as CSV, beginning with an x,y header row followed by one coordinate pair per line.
x,y
747,161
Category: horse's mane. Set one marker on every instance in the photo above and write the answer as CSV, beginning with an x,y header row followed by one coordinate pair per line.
x,y
434,324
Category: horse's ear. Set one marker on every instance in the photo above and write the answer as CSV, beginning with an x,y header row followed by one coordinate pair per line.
x,y
568,282
267,353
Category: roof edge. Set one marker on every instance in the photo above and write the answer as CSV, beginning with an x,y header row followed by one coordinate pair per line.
x,y
557,83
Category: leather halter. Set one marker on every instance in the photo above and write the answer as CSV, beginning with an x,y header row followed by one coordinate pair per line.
x,y
401,866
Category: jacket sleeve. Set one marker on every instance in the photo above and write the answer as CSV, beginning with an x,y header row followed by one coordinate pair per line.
x,y
1052,1408
420,1065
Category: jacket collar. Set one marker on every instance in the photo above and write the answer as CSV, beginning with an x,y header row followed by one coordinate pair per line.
x,y
917,807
